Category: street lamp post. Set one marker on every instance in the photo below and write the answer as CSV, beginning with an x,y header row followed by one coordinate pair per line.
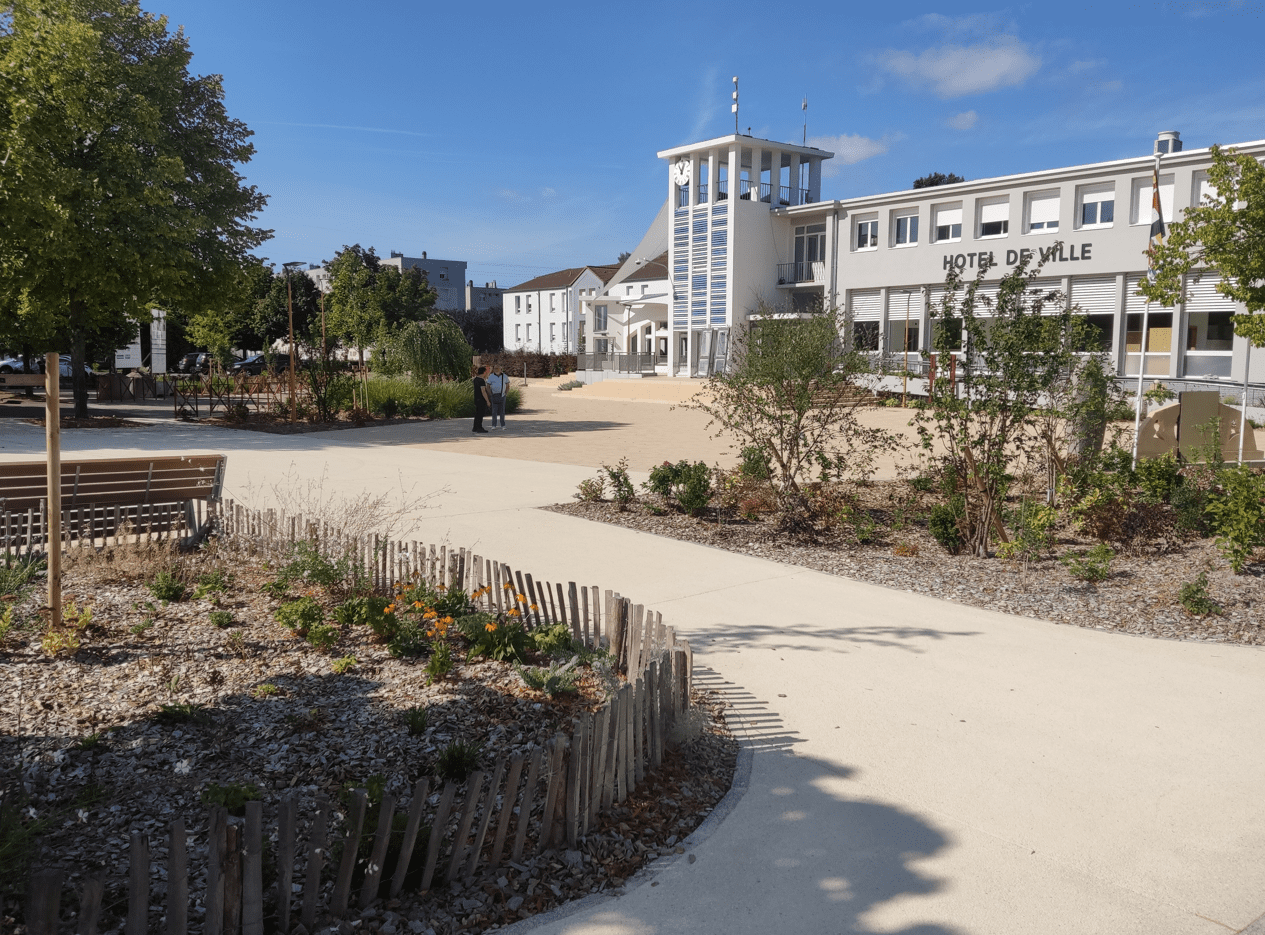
x,y
294,390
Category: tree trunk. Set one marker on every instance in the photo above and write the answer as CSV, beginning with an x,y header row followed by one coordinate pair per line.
x,y
78,379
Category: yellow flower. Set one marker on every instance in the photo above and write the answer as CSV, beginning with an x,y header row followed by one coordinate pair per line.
x,y
445,620
441,587
430,615
521,598
490,627
418,605
389,609
512,612
508,586
533,607
430,633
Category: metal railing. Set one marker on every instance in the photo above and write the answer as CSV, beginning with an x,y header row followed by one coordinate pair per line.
x,y
618,363
722,190
805,271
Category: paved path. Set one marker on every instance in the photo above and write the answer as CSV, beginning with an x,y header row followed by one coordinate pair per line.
x,y
919,767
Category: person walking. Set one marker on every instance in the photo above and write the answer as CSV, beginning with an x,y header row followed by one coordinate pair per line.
x,y
482,400
498,385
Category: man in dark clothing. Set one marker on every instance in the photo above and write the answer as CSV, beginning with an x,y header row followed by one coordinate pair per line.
x,y
482,400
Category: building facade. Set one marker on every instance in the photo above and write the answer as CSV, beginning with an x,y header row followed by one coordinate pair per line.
x,y
748,236
446,277
483,298
542,313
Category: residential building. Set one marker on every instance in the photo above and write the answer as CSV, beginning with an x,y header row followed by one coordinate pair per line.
x,y
541,314
747,237
483,298
446,277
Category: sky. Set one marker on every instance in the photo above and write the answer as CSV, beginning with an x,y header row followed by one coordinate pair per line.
x,y
521,137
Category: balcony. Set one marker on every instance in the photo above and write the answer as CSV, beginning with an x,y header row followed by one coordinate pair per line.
x,y
722,190
790,274
619,363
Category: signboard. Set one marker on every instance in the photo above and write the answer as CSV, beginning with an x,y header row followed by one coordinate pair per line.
x,y
129,357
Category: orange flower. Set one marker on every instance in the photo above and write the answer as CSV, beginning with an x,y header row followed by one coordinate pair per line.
x,y
521,598
508,586
445,620
533,607
418,605
490,627
441,587
512,612
430,615
389,609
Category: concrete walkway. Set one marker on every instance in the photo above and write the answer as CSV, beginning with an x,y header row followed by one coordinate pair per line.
x,y
918,766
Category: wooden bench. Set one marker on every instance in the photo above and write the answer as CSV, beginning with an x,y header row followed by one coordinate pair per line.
x,y
108,497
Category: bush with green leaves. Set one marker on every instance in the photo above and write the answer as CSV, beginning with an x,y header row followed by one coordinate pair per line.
x,y
554,640
210,582
1195,599
323,636
368,610
1236,511
689,484
166,586
555,679
232,797
1158,478
590,490
19,575
221,619
1091,566
1033,525
184,712
306,564
499,640
416,720
457,761
621,485
440,662
300,615
754,463
945,524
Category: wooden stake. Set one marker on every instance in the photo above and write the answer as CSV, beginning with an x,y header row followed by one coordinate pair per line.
x,y
474,785
216,844
90,904
52,440
177,881
410,835
351,844
524,811
285,861
507,809
44,902
437,833
378,857
253,871
315,862
489,805
232,879
137,885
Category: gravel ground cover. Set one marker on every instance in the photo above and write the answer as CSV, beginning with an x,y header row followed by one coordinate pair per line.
x,y
1141,596
87,752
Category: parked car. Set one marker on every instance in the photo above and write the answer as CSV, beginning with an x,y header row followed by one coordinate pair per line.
x,y
12,365
256,364
194,362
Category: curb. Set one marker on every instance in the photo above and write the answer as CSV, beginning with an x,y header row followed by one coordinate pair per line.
x,y
722,809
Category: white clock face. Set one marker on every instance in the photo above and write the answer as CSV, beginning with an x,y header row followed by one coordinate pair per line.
x,y
681,172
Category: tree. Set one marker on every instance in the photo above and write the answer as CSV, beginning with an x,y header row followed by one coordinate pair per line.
x,y
623,255
1011,354
120,189
789,393
271,320
937,178
354,312
234,322
1225,235
403,296
433,347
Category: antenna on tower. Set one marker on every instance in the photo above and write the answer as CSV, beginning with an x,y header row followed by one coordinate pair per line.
x,y
734,107
804,108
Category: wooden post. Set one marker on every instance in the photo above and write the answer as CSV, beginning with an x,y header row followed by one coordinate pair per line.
x,y
584,613
52,440
574,776
177,881
232,879
315,862
610,767
43,902
474,785
351,844
378,856
652,715
437,833
253,871
137,884
90,904
410,835
216,844
507,809
597,618
557,781
524,811
537,615
285,862
489,804
638,722
596,771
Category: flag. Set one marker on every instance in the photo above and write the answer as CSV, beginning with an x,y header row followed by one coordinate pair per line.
x,y
1157,224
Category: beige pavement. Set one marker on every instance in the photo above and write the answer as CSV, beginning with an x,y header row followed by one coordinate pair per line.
x,y
919,767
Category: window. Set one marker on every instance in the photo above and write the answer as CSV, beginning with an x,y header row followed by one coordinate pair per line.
x,y
902,336
628,290
518,305
1201,190
602,345
810,243
645,289
553,332
865,335
994,217
906,228
1097,206
529,307
1043,212
443,272
599,318
948,222
553,301
518,332
867,233
1142,190
529,332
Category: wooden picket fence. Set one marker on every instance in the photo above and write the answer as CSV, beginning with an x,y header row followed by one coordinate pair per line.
x,y
550,797
24,534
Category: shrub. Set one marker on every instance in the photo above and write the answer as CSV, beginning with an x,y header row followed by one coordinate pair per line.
x,y
557,679
1189,504
367,611
553,640
1091,566
1194,597
1158,478
221,619
232,797
622,491
440,662
167,587
590,490
306,563
457,761
689,484
344,665
416,719
1032,523
323,636
1237,512
17,577
185,712
754,463
498,639
945,524
905,549
571,385
210,581
300,616
264,690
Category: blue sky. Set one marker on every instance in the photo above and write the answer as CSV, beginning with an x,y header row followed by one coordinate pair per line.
x,y
522,137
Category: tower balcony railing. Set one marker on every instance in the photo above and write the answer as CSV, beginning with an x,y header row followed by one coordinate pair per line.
x,y
805,271
722,190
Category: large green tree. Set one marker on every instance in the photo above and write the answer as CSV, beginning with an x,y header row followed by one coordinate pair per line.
x,y
119,188
1226,235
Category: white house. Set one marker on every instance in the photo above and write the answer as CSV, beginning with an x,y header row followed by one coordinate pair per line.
x,y
541,314
747,234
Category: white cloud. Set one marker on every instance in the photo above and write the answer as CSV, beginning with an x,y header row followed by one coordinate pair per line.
x,y
851,148
548,192
955,70
953,27
964,120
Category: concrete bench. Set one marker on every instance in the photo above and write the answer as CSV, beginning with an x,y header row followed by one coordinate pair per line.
x,y
106,497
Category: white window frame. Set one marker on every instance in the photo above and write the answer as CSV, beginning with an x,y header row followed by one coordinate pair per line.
x,y
529,332
1140,199
1091,194
518,333
1050,194
935,222
904,214
980,205
870,222
600,318
518,305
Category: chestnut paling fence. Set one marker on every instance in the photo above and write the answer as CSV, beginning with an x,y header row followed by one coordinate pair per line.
x,y
549,797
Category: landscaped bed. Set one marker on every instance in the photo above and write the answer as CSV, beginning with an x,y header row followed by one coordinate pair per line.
x,y
267,682
880,533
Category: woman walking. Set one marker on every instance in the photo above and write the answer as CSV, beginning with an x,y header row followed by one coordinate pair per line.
x,y
482,400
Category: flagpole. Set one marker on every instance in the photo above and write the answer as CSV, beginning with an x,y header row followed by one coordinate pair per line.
x,y
1155,239
1247,370
1137,402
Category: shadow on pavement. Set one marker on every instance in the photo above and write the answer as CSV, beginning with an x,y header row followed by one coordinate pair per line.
x,y
788,636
